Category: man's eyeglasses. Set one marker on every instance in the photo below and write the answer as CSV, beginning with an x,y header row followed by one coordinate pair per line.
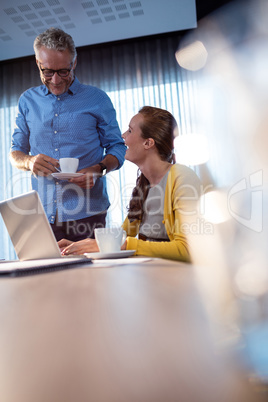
x,y
64,72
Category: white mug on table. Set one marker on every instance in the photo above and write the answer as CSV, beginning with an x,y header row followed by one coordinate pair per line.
x,y
110,240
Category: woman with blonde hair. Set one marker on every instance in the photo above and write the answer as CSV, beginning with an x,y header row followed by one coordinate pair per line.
x,y
162,207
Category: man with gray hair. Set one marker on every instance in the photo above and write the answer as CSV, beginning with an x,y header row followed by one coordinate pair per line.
x,y
64,118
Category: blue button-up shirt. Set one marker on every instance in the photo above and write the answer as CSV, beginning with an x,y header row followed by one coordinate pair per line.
x,y
80,123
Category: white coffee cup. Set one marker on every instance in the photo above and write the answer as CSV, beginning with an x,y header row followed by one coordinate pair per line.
x,y
110,240
68,165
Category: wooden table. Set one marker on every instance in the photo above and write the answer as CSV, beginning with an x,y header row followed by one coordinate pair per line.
x,y
100,333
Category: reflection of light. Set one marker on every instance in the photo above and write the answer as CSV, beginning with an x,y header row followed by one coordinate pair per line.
x,y
192,57
252,278
214,206
191,149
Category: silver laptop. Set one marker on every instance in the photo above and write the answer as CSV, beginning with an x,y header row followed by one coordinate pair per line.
x,y
28,227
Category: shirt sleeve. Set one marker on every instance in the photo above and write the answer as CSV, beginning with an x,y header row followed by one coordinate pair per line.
x,y
109,132
131,228
174,250
20,137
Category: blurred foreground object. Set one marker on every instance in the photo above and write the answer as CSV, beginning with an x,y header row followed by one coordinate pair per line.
x,y
231,53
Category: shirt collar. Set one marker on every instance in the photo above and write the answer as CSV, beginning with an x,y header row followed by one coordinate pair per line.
x,y
73,89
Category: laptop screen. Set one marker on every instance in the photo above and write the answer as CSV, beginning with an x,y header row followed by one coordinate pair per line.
x,y
28,227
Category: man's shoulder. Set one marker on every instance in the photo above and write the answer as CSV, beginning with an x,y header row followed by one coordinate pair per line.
x,y
33,91
91,89
94,97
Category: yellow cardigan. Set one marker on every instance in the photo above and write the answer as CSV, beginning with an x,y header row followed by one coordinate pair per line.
x,y
181,195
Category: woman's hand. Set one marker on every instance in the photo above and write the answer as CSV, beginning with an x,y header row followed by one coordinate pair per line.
x,y
124,245
63,243
80,247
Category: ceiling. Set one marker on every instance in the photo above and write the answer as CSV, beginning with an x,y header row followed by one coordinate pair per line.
x,y
89,21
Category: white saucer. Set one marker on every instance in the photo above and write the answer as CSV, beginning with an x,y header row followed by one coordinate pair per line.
x,y
118,254
65,176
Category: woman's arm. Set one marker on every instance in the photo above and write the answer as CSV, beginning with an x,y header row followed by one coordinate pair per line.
x,y
176,249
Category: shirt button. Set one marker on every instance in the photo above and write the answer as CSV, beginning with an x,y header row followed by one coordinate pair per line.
x,y
55,132
56,149
56,114
58,98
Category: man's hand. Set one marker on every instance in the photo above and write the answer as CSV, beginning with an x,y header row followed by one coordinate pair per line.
x,y
42,165
93,172
89,178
